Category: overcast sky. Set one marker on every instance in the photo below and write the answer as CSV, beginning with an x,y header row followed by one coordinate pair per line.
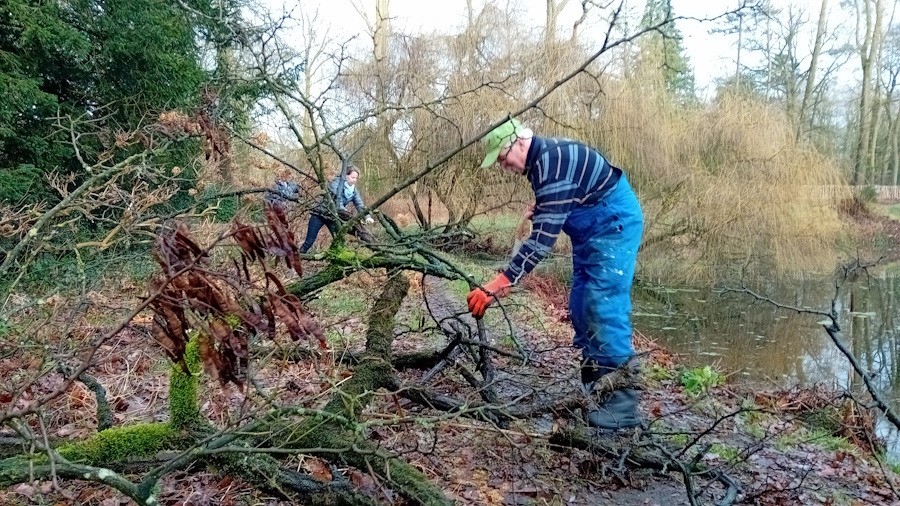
x,y
711,55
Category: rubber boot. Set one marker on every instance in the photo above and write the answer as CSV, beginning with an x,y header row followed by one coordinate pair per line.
x,y
618,409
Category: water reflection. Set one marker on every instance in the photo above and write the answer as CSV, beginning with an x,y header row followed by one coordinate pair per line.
x,y
776,347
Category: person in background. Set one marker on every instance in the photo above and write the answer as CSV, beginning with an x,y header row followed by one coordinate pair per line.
x,y
343,195
284,192
578,192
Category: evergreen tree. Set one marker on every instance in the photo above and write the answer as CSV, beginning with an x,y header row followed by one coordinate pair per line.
x,y
69,58
662,48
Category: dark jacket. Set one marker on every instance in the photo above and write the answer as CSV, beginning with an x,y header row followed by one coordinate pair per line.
x,y
283,191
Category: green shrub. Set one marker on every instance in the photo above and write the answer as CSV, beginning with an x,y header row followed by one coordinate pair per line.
x,y
21,184
226,207
867,194
701,379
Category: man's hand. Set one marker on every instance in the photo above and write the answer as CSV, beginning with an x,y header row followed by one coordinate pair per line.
x,y
529,212
370,219
479,299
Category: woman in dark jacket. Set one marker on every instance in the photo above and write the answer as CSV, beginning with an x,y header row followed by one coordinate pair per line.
x,y
343,195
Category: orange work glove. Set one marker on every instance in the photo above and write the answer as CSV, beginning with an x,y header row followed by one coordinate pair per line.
x,y
479,299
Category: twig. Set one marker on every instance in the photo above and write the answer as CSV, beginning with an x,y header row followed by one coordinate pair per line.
x,y
834,332
485,366
104,413
50,453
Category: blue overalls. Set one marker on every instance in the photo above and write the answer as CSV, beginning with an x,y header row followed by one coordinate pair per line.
x,y
605,240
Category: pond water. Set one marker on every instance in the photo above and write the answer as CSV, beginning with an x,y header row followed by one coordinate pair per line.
x,y
761,344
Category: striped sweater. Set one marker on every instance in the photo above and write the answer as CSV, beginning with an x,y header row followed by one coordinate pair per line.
x,y
563,174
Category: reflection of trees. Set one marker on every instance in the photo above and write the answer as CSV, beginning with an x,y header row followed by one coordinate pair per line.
x,y
872,335
793,346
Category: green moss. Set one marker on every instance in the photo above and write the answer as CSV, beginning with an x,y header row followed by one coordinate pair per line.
x,y
821,438
729,454
758,432
184,410
827,440
121,443
679,439
342,256
233,321
786,441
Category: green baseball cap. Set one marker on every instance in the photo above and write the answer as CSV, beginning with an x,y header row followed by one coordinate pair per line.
x,y
498,139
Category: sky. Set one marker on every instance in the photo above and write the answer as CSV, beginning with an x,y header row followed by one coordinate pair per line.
x,y
711,55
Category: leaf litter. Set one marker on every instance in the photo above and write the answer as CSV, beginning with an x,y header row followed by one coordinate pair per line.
x,y
768,451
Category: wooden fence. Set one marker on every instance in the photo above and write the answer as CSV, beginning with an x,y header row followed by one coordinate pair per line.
x,y
888,193
885,193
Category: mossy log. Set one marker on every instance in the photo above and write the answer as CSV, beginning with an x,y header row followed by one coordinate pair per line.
x,y
373,372
94,458
343,262
184,410
266,473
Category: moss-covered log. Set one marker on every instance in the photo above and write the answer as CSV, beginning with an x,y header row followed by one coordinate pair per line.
x,y
121,444
95,458
266,473
343,262
112,452
184,410
21,470
90,459
373,372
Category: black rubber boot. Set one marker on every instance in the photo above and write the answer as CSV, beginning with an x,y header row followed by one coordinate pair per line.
x,y
617,411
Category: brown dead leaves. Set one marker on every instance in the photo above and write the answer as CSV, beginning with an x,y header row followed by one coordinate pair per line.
x,y
279,242
224,305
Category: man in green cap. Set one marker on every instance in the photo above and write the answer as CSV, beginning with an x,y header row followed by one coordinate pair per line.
x,y
577,191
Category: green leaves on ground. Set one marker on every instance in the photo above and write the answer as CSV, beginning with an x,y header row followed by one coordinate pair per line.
x,y
699,380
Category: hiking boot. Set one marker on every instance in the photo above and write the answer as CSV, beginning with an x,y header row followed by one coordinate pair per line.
x,y
617,411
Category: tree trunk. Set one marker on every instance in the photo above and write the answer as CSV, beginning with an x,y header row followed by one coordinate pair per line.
x,y
867,48
554,7
811,75
737,69
380,38
895,145
768,55
876,114
373,373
